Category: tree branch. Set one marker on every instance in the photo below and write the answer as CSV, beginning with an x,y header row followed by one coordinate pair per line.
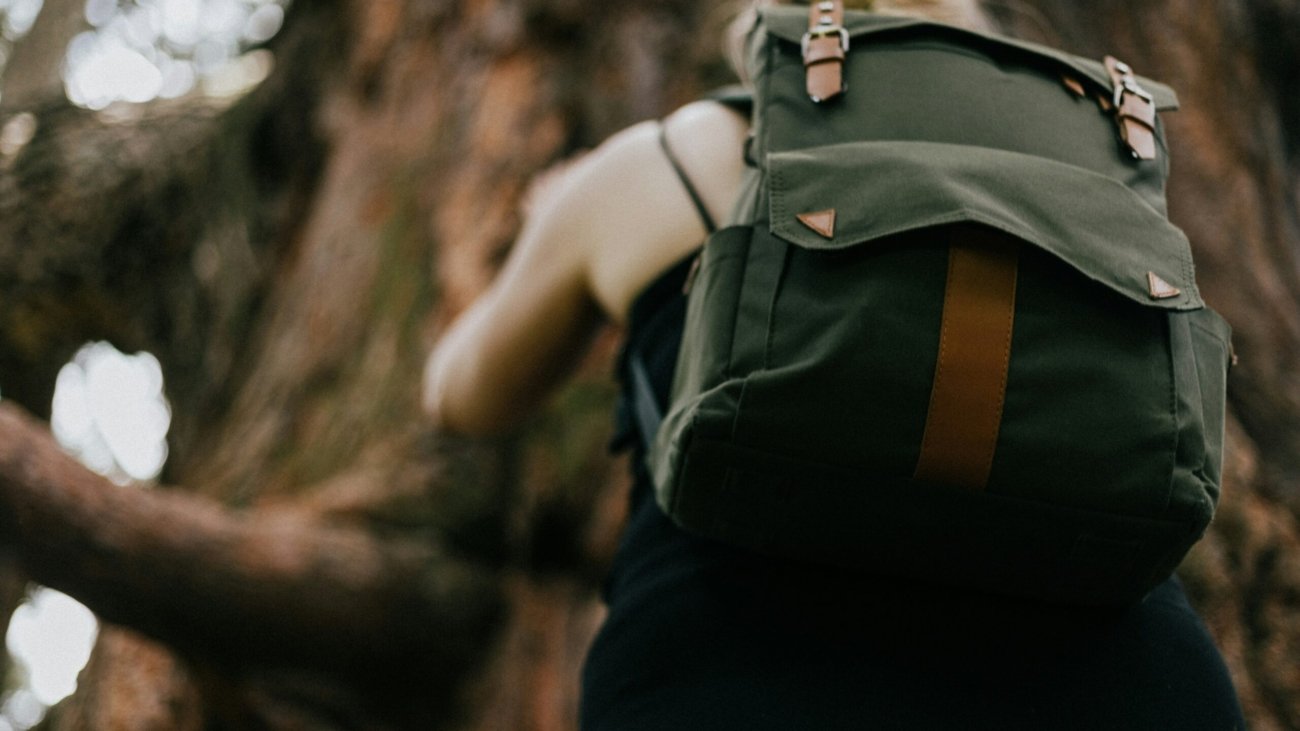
x,y
264,588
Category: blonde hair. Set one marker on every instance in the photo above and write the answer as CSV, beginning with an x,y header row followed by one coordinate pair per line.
x,y
963,13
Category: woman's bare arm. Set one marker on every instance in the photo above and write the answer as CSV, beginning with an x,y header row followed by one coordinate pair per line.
x,y
614,221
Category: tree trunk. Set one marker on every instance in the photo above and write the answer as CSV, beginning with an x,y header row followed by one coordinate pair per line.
x,y
33,69
327,562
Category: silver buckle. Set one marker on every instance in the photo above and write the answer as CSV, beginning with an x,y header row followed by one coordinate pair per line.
x,y
823,32
1127,83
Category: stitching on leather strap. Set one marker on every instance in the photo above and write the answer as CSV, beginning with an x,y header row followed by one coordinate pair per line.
x,y
970,379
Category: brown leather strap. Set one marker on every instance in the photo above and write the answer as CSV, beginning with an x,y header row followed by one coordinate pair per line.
x,y
970,379
824,48
1135,110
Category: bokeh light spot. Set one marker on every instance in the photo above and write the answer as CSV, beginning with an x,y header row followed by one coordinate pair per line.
x,y
51,636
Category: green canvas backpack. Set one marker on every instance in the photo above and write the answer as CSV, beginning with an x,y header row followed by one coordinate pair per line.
x,y
950,333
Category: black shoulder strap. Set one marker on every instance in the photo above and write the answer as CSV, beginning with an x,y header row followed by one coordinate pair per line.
x,y
709,225
644,406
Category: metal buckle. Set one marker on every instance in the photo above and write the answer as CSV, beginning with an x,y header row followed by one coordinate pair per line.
x,y
1129,84
823,32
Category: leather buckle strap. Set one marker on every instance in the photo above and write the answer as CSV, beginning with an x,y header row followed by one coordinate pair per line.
x,y
824,47
1135,110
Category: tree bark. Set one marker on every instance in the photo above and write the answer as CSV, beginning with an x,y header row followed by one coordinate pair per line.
x,y
33,70
196,576
291,257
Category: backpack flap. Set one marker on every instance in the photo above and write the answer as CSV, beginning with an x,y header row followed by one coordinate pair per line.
x,y
875,189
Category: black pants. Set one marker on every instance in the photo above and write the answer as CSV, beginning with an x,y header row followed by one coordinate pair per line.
x,y
702,636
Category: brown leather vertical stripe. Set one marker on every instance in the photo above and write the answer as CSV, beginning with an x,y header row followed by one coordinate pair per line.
x,y
970,379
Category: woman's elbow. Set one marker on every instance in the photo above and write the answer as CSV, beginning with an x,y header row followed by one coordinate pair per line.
x,y
447,413
433,394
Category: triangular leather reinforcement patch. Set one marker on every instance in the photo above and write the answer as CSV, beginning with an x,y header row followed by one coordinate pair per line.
x,y
823,222
1160,289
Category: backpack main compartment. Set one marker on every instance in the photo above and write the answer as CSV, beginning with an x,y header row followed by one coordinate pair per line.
x,y
806,389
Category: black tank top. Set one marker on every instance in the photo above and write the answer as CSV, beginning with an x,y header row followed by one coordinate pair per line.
x,y
702,635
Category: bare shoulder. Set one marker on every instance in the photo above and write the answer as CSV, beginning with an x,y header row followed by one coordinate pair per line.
x,y
707,117
707,135
657,221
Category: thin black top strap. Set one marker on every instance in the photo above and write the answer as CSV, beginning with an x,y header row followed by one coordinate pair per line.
x,y
709,225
